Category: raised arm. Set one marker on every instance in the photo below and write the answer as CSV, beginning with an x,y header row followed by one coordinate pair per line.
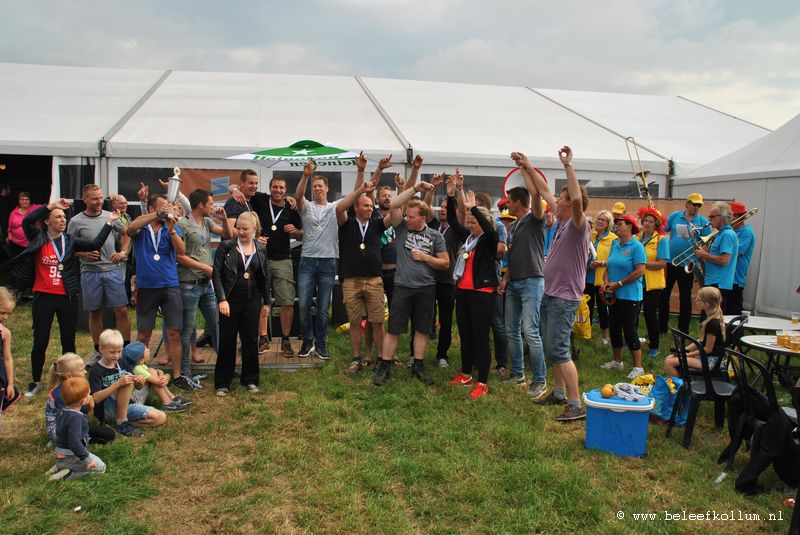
x,y
361,165
396,207
416,165
225,228
347,201
436,180
140,222
461,212
300,192
536,185
574,189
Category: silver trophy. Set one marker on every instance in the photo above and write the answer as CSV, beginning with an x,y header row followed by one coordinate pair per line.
x,y
173,187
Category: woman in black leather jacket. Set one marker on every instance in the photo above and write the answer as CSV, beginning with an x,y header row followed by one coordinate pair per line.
x,y
241,283
49,265
475,273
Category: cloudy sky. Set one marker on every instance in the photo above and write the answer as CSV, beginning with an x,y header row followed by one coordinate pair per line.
x,y
740,57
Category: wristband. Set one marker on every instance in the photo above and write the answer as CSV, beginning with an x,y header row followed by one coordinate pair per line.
x,y
620,284
568,164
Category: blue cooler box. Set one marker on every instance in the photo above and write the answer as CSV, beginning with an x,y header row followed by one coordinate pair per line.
x,y
616,425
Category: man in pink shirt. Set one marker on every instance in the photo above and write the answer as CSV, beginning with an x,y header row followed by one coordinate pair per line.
x,y
564,276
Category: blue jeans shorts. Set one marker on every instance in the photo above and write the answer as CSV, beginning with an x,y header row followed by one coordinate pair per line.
x,y
557,316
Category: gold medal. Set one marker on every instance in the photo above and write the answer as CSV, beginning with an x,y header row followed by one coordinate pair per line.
x,y
61,267
319,227
362,246
246,276
156,257
274,228
466,256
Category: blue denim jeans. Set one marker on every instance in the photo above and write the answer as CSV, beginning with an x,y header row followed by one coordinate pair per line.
x,y
523,298
196,296
315,275
499,332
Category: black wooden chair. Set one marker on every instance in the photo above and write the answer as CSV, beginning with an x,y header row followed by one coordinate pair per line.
x,y
697,388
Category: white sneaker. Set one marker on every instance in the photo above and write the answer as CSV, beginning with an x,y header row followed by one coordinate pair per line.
x,y
605,341
613,365
635,372
642,340
443,363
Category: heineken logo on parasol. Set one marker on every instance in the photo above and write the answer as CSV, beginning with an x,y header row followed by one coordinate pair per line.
x,y
299,153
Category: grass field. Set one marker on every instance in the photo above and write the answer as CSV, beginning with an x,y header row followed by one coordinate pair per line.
x,y
322,452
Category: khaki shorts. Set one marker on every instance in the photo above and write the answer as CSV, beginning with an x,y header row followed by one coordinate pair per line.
x,y
282,281
363,296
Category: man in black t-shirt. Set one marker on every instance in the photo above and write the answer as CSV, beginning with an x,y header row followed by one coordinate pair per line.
x,y
361,267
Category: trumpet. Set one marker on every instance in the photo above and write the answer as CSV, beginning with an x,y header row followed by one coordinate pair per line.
x,y
687,259
640,176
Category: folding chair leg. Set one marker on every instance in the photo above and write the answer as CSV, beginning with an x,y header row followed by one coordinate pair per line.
x,y
694,405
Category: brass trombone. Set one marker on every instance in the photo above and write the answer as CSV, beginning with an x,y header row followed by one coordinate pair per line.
x,y
640,176
687,258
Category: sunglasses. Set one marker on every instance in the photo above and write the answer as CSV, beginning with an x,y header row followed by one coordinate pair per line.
x,y
697,205
618,221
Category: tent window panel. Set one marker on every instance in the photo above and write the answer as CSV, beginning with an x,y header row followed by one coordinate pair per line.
x,y
293,178
73,178
611,188
128,179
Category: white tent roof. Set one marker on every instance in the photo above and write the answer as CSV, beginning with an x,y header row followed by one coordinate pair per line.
x,y
774,155
482,124
214,115
673,127
64,111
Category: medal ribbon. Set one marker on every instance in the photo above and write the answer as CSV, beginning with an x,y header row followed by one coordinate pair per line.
x,y
156,243
59,257
275,217
363,229
245,261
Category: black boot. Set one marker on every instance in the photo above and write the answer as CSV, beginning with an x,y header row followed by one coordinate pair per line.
x,y
382,371
418,371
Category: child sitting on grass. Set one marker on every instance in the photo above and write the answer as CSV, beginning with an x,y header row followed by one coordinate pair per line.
x,y
133,359
8,394
72,434
68,366
112,389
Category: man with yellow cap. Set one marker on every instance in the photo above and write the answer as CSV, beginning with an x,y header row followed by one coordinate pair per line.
x,y
679,224
618,209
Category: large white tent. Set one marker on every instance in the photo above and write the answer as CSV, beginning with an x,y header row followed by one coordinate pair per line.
x,y
763,174
140,119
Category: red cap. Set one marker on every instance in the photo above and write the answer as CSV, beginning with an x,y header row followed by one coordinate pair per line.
x,y
646,210
630,219
738,208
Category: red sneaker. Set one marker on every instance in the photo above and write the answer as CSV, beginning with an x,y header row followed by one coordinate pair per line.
x,y
479,391
462,379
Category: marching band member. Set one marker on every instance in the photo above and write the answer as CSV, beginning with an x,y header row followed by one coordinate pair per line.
x,y
720,259
747,242
656,247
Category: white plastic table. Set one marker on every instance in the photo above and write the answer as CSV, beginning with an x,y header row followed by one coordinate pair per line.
x,y
766,323
769,346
